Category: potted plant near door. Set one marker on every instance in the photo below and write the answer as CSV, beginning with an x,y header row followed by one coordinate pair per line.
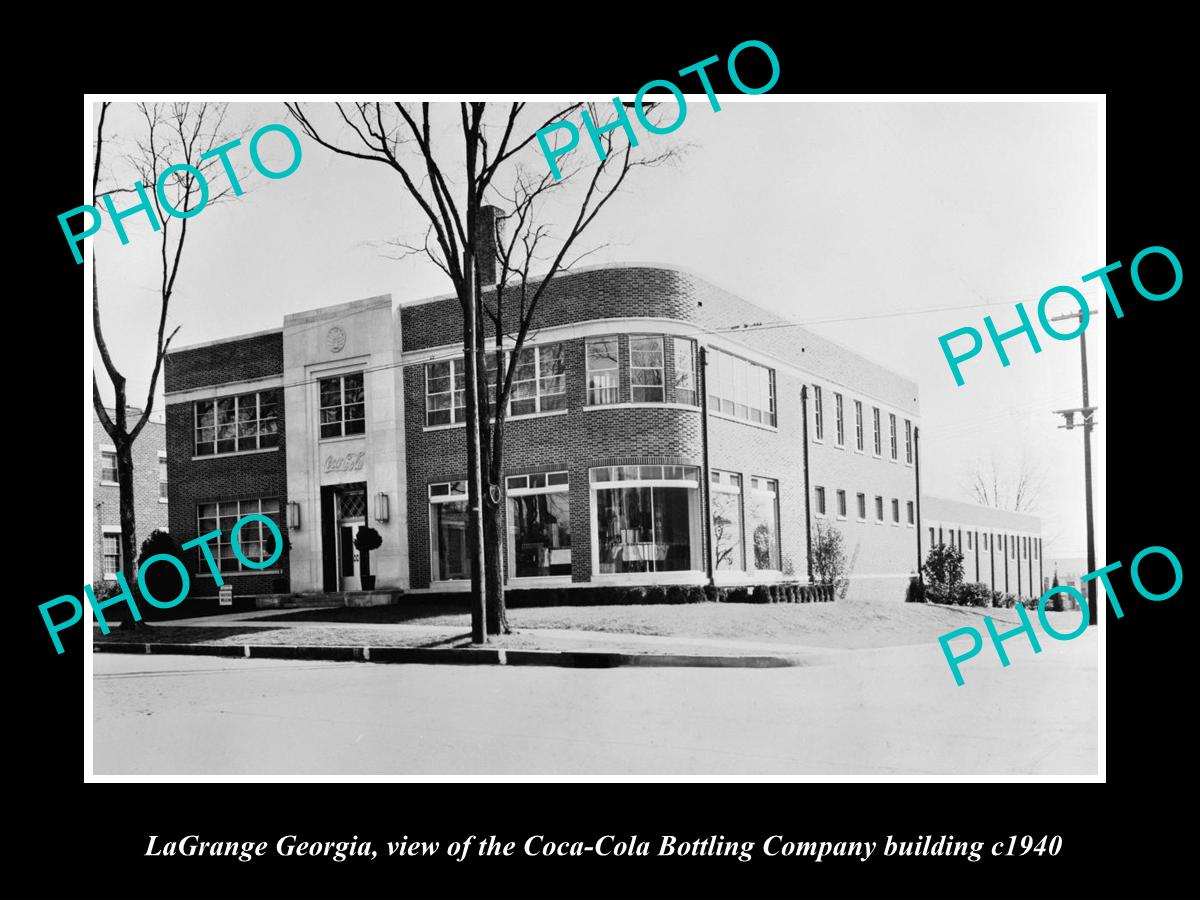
x,y
366,540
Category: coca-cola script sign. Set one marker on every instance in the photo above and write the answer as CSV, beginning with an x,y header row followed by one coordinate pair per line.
x,y
351,462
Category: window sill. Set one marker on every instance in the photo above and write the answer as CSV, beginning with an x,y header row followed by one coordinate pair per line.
x,y
226,575
341,437
162,500
236,453
761,425
841,518
643,405
110,484
535,581
445,427
687,576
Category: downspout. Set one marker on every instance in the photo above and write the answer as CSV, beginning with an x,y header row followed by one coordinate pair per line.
x,y
807,492
707,477
917,473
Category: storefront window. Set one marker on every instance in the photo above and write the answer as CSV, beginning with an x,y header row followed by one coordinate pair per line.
x,y
727,522
539,525
647,519
448,531
762,517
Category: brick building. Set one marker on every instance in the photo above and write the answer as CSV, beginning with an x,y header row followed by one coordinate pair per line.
x,y
149,494
653,438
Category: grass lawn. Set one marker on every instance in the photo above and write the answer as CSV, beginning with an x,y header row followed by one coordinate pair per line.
x,y
851,625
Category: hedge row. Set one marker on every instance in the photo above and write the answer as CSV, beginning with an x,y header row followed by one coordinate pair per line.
x,y
964,593
790,592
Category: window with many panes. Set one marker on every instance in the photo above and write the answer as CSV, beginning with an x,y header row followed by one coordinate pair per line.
x,y
603,371
445,393
108,466
539,381
646,368
255,539
685,371
646,519
112,553
895,448
878,432
740,388
858,426
839,419
343,410
237,424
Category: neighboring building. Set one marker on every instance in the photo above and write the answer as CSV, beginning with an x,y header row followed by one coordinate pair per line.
x,y
642,402
149,494
1000,549
1069,572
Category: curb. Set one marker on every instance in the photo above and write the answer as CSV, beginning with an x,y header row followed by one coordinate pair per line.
x,y
569,659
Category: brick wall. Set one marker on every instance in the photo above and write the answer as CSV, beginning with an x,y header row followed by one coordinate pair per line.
x,y
222,477
149,513
238,359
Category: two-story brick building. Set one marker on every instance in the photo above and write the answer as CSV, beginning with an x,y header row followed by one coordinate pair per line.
x,y
149,494
662,430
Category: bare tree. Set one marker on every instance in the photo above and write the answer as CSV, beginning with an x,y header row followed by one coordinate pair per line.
x,y
168,135
1015,488
491,171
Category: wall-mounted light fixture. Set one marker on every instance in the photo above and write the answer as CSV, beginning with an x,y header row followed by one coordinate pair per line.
x,y
293,515
381,507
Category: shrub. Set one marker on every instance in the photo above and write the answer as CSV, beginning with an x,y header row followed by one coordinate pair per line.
x,y
677,594
713,593
737,595
943,567
829,557
1009,601
760,594
936,592
915,592
972,594
103,590
655,595
163,581
696,595
634,595
997,599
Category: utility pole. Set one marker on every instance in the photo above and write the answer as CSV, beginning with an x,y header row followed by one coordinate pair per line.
x,y
1088,424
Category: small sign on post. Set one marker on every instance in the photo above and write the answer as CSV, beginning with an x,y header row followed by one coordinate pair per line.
x,y
225,595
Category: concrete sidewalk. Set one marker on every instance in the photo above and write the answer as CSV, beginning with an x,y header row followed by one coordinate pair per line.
x,y
253,630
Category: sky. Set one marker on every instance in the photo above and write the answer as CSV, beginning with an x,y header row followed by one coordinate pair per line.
x,y
866,213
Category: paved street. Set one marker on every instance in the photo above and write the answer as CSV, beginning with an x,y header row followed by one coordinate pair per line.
x,y
891,711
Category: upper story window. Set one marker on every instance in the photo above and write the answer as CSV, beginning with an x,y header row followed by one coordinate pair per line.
x,y
539,380
878,509
895,511
108,466
445,396
841,504
162,476
236,424
858,426
820,501
742,389
908,438
818,414
839,420
892,422
878,432
342,408
603,367
646,369
912,518
685,371
862,507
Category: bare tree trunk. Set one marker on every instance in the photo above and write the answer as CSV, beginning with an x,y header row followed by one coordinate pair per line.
x,y
493,536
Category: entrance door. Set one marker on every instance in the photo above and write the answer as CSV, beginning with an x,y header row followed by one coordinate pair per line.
x,y
351,506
